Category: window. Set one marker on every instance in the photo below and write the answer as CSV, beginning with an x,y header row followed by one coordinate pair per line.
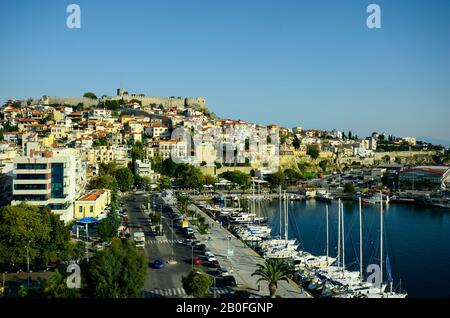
x,y
57,180
91,209
80,209
32,166
30,186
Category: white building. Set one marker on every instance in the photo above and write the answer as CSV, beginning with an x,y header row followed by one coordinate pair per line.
x,y
46,179
143,168
157,131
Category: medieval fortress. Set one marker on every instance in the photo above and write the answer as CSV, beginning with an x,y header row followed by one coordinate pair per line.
x,y
179,102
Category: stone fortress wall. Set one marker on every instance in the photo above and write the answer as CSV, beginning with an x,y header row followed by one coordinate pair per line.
x,y
195,102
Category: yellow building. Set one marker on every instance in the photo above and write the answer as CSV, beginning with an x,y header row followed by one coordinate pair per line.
x,y
92,204
48,140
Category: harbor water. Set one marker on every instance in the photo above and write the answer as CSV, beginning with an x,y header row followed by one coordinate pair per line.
x,y
416,239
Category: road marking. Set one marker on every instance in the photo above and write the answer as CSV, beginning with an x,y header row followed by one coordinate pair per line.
x,y
164,241
164,292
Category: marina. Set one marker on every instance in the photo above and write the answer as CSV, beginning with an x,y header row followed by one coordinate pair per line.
x,y
403,240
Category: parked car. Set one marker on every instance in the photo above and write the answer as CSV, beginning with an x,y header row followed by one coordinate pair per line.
x,y
201,247
158,264
223,271
186,242
229,281
209,254
214,264
211,259
197,261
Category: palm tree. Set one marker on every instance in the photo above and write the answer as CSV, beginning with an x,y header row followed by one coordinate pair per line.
x,y
273,271
184,201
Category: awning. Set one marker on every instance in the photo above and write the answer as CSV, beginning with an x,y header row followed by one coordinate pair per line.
x,y
87,221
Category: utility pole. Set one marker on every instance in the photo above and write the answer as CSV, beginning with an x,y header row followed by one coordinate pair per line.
x,y
28,266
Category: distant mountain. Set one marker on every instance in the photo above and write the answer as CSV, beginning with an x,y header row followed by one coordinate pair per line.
x,y
435,141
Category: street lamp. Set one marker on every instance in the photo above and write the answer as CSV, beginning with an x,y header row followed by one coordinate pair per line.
x,y
192,247
214,286
28,267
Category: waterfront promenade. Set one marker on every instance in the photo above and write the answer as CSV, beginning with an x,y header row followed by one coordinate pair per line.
x,y
243,262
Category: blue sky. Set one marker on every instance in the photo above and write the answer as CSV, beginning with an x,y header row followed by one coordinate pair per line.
x,y
309,63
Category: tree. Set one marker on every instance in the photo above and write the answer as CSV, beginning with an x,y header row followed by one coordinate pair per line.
x,y
273,271
349,188
21,229
323,165
90,95
100,142
296,142
137,101
108,168
109,227
275,180
36,230
313,151
165,182
350,134
103,182
190,176
124,178
197,283
137,151
56,287
169,167
209,180
292,174
119,271
237,177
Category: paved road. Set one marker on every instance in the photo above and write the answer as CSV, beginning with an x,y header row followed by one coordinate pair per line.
x,y
164,282
244,261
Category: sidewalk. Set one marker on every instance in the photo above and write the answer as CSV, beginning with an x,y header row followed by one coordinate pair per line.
x,y
244,261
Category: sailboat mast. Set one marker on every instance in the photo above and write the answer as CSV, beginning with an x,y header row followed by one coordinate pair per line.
x,y
343,237
381,240
281,200
339,233
327,234
360,242
259,199
285,218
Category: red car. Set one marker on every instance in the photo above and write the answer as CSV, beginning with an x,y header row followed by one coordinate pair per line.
x,y
197,261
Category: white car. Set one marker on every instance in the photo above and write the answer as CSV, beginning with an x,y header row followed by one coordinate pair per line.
x,y
211,259
209,254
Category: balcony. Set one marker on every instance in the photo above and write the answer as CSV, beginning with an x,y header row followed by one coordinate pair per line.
x,y
32,171
31,192
32,181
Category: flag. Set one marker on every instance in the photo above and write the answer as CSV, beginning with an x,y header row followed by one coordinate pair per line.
x,y
388,270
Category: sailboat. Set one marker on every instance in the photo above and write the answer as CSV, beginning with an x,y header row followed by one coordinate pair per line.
x,y
382,293
306,261
285,250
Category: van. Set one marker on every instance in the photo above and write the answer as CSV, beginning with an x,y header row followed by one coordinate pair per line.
x,y
189,231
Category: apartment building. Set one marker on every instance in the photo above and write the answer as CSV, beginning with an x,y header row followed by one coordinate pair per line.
x,y
43,179
143,168
92,204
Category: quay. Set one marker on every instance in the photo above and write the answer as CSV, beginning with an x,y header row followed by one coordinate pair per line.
x,y
243,261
